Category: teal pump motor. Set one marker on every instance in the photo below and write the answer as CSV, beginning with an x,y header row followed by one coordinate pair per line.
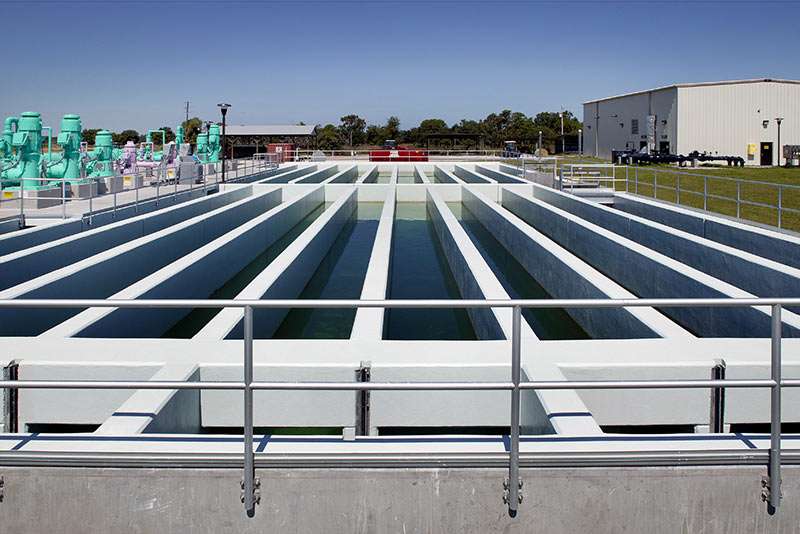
x,y
179,136
68,166
26,142
202,148
103,155
6,141
213,143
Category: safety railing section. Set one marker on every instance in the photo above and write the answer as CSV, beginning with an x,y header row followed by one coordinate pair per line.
x,y
744,199
771,492
581,175
120,188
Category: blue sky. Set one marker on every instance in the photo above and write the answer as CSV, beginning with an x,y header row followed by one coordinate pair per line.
x,y
131,64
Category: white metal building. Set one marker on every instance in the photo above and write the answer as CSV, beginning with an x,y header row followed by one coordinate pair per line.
x,y
731,118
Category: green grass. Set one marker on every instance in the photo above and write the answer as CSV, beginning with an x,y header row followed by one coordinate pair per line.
x,y
762,190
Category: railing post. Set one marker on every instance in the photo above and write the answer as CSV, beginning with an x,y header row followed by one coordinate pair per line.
x,y
22,203
248,484
158,185
514,481
705,193
64,199
780,190
738,197
773,480
679,186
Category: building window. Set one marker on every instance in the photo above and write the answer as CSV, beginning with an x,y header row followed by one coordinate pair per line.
x,y
635,127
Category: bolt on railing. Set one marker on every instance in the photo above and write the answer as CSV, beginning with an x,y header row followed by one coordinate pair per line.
x,y
772,483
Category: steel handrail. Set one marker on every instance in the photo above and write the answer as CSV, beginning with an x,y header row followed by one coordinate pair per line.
x,y
248,385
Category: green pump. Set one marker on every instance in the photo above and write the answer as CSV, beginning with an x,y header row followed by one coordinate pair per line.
x,y
103,155
26,142
202,148
213,143
68,166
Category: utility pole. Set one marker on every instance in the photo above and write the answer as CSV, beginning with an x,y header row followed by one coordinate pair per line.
x,y
187,113
563,144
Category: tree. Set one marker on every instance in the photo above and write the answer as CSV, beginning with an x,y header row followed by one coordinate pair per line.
x,y
89,135
374,135
329,138
392,128
125,136
168,134
352,128
552,121
192,129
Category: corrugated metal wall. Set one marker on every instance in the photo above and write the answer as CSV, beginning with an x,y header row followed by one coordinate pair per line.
x,y
723,119
615,120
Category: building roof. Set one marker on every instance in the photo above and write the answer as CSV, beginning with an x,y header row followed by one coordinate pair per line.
x,y
700,84
274,130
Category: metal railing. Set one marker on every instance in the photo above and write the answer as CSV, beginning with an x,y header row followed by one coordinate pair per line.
x,y
771,483
149,184
669,177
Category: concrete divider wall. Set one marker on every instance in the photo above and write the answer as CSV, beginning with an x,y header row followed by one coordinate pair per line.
x,y
647,272
369,322
444,176
757,275
419,175
21,239
262,174
105,273
288,176
196,275
469,176
317,177
500,177
36,261
783,247
159,411
287,275
473,276
369,176
31,237
133,209
564,276
347,176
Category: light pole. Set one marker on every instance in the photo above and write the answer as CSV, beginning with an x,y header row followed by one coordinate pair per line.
x,y
563,144
224,109
779,120
580,146
540,144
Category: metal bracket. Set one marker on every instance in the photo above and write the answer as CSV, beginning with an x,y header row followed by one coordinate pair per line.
x,y
256,490
766,488
506,493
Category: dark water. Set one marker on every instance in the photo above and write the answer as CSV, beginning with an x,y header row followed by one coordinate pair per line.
x,y
419,270
339,276
553,323
193,322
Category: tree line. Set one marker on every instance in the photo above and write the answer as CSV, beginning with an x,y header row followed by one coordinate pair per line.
x,y
353,131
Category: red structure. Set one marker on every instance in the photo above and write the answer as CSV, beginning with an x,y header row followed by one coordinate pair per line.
x,y
286,151
398,155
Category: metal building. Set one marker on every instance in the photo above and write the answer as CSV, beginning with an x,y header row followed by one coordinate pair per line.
x,y
730,118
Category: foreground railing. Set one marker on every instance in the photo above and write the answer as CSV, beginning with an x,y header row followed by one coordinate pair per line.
x,y
251,494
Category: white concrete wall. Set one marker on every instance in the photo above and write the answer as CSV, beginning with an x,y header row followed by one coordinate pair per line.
x,y
103,274
648,273
196,275
37,260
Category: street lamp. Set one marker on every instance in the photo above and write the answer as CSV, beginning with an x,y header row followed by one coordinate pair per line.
x,y
580,146
779,120
224,109
540,144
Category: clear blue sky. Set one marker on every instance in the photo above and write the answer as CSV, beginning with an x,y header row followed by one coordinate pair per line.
x,y
131,64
